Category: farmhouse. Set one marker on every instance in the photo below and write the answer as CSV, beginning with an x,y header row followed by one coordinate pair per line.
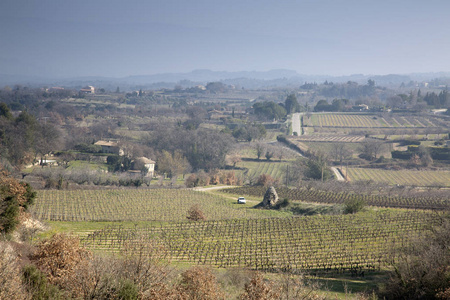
x,y
110,147
360,107
143,164
88,89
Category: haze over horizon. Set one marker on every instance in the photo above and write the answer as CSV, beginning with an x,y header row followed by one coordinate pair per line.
x,y
51,38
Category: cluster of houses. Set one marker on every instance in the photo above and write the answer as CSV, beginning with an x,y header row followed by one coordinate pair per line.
x,y
137,165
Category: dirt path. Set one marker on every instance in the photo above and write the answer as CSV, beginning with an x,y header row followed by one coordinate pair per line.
x,y
338,174
205,189
213,188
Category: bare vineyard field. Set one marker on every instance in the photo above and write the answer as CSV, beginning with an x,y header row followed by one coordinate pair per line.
x,y
271,135
401,177
338,138
327,147
254,169
134,205
305,195
371,121
353,243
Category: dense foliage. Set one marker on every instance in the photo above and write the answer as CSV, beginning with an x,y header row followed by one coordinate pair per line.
x,y
23,138
249,132
269,110
337,105
203,148
15,198
441,100
347,90
291,104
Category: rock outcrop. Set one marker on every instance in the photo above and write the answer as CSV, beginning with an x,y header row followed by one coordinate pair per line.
x,y
270,199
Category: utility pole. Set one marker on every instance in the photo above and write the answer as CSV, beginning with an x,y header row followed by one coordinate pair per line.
x,y
287,176
322,173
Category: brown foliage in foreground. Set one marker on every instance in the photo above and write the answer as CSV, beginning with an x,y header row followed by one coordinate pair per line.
x,y
10,277
199,283
60,257
259,289
196,214
15,197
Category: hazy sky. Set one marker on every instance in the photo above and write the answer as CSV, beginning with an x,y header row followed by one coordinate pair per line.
x,y
137,37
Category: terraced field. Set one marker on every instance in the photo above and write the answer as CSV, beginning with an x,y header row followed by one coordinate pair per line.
x,y
402,177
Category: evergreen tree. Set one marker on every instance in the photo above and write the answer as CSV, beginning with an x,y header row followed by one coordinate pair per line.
x,y
291,104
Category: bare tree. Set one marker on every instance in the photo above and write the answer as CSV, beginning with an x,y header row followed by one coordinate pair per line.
x,y
259,147
340,152
370,149
48,139
172,164
234,158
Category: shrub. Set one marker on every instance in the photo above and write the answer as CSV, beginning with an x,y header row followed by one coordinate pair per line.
x,y
15,197
127,290
259,289
353,206
282,204
59,257
195,214
298,287
9,214
203,178
38,286
199,283
422,270
266,180
191,181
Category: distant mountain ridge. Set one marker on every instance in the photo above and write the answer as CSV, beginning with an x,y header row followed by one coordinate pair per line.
x,y
247,79
205,75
